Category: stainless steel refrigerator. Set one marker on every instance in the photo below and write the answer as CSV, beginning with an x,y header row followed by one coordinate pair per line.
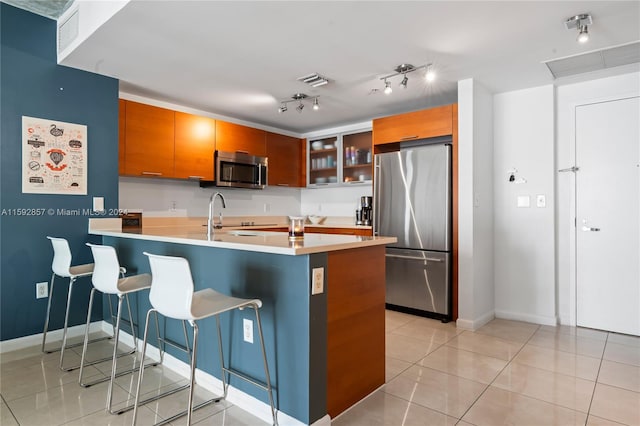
x,y
412,202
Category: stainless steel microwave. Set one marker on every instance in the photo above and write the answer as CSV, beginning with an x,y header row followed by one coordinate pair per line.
x,y
240,170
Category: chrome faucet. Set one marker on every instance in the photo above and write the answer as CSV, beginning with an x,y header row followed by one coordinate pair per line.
x,y
210,224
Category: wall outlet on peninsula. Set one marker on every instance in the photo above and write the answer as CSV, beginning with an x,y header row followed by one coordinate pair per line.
x,y
42,290
247,330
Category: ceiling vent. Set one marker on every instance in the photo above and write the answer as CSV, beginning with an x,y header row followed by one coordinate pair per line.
x,y
595,60
68,30
314,80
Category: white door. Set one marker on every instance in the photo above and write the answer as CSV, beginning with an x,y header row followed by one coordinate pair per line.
x,y
608,215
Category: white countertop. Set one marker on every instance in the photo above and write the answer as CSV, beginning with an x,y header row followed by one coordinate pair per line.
x,y
247,240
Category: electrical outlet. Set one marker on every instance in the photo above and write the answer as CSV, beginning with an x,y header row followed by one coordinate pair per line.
x,y
317,283
247,326
267,207
42,290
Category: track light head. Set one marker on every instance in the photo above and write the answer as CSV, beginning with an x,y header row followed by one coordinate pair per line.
x,y
404,82
583,35
316,105
430,75
283,108
300,107
387,87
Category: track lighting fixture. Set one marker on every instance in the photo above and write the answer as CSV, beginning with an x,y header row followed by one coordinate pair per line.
x,y
581,22
299,97
404,69
387,87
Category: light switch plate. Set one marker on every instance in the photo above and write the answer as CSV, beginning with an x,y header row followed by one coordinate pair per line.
x,y
317,282
524,201
541,200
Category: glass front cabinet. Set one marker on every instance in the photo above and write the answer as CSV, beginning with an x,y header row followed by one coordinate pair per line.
x,y
340,159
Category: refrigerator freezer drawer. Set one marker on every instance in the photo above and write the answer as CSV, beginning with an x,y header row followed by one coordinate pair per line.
x,y
418,280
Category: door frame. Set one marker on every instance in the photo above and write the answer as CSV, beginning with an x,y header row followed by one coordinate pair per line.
x,y
572,241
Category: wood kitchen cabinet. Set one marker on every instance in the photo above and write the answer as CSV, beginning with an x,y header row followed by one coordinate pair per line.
x,y
149,134
285,160
422,124
122,111
235,137
194,146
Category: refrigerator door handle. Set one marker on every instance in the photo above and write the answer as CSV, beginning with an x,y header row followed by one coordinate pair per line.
x,y
376,195
399,256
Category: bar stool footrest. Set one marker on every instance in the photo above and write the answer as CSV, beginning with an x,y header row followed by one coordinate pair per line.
x,y
246,378
122,373
75,345
98,361
184,413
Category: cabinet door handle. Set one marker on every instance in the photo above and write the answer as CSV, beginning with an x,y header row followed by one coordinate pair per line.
x,y
409,137
356,182
152,173
282,184
242,152
196,177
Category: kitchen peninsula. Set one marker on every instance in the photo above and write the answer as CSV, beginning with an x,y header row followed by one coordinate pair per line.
x,y
325,342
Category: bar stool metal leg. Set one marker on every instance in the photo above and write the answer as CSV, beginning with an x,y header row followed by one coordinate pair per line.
x,y
266,366
46,319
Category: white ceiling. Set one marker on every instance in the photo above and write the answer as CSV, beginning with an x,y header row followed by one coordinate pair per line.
x,y
240,58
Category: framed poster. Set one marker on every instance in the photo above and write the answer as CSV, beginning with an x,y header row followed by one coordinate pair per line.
x,y
54,157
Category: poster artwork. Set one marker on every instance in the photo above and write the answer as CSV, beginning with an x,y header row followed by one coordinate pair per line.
x,y
54,157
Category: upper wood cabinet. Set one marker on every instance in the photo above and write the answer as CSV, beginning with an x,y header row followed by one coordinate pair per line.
x,y
422,124
234,137
285,160
149,134
195,143
122,105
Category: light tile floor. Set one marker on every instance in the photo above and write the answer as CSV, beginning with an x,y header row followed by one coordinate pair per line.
x,y
507,372
36,392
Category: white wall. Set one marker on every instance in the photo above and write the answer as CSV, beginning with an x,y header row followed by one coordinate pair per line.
x,y
184,198
475,205
524,253
568,97
341,201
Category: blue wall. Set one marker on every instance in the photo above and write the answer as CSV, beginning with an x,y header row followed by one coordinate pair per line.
x,y
32,84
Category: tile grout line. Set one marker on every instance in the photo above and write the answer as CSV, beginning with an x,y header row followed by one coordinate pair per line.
x,y
500,372
593,394
10,410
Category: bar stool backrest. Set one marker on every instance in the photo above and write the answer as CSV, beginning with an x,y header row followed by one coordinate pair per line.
x,y
106,270
171,286
61,257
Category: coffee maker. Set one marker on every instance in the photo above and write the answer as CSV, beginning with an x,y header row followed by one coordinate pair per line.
x,y
364,215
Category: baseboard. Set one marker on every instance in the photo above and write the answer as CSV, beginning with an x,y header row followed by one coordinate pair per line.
x,y
534,319
53,337
567,320
475,324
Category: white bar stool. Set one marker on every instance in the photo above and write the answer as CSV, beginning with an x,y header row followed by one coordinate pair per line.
x,y
172,295
61,267
106,279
